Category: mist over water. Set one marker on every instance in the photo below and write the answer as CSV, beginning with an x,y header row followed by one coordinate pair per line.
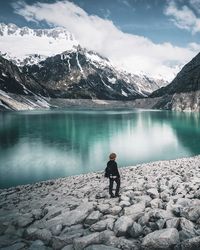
x,y
41,145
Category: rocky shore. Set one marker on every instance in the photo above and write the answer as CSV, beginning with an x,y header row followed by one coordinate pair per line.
x,y
159,208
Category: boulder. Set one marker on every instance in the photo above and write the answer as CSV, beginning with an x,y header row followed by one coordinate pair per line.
x,y
81,243
191,244
16,246
103,225
153,193
135,210
161,239
172,223
93,217
135,230
122,225
191,213
103,208
100,247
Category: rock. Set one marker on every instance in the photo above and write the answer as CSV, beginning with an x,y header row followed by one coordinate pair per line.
x,y
135,210
101,247
73,217
37,245
124,204
172,223
191,244
53,212
122,225
153,193
16,246
38,214
161,239
43,235
136,230
103,208
56,229
160,223
81,243
156,203
68,247
144,219
25,220
191,213
165,196
115,210
103,225
93,217
187,229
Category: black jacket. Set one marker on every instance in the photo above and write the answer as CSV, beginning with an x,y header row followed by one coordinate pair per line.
x,y
112,168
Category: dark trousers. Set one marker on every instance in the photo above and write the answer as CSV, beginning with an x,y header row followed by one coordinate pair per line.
x,y
117,180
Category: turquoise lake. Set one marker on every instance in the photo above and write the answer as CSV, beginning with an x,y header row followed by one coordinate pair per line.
x,y
41,145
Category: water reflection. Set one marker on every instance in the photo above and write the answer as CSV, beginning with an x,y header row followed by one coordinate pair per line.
x,y
42,145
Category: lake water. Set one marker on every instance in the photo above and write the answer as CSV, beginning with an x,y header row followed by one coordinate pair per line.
x,y
41,145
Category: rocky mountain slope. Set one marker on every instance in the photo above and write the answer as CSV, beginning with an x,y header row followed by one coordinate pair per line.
x,y
85,74
19,90
183,93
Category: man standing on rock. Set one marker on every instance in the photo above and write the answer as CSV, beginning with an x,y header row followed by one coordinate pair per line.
x,y
113,174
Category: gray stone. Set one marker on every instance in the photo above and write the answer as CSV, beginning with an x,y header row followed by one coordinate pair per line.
x,y
68,247
115,210
73,217
122,225
124,204
38,213
103,208
136,230
156,203
59,242
16,246
173,223
81,243
37,245
160,223
24,220
100,247
186,225
191,213
135,210
93,217
103,225
161,239
43,235
153,193
191,244
53,212
56,229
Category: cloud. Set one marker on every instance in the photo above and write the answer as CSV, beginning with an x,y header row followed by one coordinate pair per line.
x,y
133,53
184,17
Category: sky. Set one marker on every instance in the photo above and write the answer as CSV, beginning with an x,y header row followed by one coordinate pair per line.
x,y
154,37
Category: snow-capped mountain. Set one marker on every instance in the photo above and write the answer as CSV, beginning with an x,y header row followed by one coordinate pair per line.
x,y
52,61
29,46
85,74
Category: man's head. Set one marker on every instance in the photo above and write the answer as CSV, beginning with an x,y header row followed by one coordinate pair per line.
x,y
112,156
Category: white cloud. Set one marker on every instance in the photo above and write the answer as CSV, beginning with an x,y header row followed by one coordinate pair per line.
x,y
133,53
184,17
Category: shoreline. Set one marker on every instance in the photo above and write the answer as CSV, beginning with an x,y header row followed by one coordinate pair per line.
x,y
159,200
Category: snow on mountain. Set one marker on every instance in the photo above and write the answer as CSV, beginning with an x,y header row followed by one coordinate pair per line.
x,y
29,46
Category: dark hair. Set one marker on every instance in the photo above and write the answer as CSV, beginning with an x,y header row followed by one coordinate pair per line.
x,y
112,156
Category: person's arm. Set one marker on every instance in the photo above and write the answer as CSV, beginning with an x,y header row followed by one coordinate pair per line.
x,y
117,172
